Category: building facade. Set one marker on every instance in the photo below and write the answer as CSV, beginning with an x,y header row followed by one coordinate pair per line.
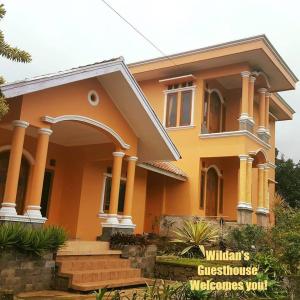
x,y
104,147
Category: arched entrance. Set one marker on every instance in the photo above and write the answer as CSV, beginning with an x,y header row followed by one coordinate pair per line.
x,y
212,188
215,113
23,180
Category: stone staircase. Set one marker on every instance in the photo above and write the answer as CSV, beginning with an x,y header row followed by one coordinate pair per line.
x,y
90,265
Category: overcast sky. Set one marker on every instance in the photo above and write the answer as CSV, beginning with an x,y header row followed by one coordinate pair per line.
x,y
61,34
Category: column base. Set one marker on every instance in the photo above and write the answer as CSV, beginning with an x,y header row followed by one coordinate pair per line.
x,y
262,215
263,134
108,231
126,220
246,123
8,209
244,213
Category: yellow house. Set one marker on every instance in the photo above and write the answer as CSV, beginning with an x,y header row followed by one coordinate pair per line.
x,y
104,147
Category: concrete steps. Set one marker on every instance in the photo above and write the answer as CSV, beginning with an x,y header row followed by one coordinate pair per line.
x,y
87,266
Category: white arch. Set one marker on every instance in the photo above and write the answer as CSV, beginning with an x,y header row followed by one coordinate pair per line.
x,y
262,150
89,121
216,169
210,91
26,153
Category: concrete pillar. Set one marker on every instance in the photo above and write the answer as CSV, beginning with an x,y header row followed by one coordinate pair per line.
x,y
249,181
266,189
245,94
261,211
251,96
267,109
127,216
244,208
34,205
8,206
262,107
115,188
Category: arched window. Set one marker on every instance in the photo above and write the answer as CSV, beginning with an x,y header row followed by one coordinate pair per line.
x,y
23,179
213,112
211,197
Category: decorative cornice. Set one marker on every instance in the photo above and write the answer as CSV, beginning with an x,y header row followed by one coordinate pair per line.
x,y
252,78
243,156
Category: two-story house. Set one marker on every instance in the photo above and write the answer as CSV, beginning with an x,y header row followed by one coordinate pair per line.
x,y
105,147
219,105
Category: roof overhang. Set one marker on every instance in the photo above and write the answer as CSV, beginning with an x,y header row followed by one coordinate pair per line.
x,y
154,142
280,109
256,51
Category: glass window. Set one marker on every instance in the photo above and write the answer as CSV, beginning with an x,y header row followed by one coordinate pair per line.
x,y
122,190
186,108
171,117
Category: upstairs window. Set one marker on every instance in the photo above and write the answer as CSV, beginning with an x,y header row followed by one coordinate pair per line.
x,y
179,105
213,112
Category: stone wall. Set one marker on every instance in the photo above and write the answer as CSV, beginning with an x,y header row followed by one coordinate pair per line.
x,y
24,272
141,257
174,272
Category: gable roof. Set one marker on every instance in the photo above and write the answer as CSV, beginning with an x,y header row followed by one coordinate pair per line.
x,y
114,76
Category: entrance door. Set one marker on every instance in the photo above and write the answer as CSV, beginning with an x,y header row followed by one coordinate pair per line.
x,y
212,193
215,113
46,193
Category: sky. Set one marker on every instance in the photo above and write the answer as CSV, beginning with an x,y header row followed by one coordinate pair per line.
x,y
61,34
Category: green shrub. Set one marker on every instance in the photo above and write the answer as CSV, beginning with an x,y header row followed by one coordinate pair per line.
x,y
31,240
119,240
248,238
286,237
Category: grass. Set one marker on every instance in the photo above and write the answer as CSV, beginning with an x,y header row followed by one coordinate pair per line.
x,y
188,262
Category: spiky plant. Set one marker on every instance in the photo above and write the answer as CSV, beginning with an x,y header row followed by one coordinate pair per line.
x,y
196,235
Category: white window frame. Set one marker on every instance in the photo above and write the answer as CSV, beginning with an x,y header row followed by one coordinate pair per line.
x,y
172,91
105,176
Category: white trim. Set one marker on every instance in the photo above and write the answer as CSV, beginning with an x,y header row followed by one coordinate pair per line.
x,y
243,157
160,171
262,210
34,211
262,90
173,91
264,152
78,118
215,90
46,131
20,123
118,154
215,168
245,74
90,93
180,127
131,158
244,206
26,153
235,133
8,209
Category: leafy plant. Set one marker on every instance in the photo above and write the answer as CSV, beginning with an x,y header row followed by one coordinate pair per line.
x,y
196,235
31,240
248,238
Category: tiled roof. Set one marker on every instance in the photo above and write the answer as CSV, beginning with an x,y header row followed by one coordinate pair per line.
x,y
167,166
